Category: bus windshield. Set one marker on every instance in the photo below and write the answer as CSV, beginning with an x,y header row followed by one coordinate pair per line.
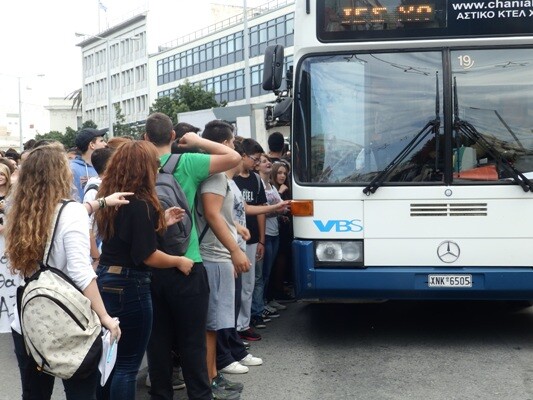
x,y
368,111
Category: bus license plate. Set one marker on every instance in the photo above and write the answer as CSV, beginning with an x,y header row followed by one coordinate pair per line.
x,y
450,281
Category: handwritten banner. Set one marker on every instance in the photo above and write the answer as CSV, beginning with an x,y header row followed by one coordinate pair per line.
x,y
8,291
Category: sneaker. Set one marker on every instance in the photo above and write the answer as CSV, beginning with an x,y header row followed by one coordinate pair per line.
x,y
258,322
245,343
235,368
285,298
177,380
265,318
250,335
219,393
269,314
223,383
178,383
251,361
276,305
270,309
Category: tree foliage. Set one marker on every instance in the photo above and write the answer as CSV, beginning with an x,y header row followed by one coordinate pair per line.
x,y
68,138
120,127
187,97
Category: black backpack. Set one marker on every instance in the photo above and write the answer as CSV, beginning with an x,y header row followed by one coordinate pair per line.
x,y
176,238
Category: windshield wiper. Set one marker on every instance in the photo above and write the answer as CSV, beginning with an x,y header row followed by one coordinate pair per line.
x,y
468,130
432,126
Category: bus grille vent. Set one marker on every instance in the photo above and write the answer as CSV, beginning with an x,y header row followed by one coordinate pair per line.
x,y
449,209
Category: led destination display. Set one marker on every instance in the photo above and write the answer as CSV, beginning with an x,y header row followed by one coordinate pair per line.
x,y
341,20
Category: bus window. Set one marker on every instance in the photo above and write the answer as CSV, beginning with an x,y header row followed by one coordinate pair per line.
x,y
366,108
494,96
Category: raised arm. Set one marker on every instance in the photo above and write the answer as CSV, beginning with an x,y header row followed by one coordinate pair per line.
x,y
223,157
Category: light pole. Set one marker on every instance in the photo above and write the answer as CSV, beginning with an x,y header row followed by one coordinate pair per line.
x,y
108,74
19,86
21,138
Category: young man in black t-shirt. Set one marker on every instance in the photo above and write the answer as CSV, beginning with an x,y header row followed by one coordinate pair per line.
x,y
253,193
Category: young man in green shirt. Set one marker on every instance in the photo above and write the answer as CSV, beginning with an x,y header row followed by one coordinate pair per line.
x,y
180,302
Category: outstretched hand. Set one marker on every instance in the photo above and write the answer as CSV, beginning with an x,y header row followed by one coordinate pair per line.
x,y
174,215
118,199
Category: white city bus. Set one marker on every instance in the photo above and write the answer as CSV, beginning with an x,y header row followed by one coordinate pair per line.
x,y
412,145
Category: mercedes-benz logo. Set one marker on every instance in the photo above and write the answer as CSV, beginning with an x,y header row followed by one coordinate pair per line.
x,y
448,251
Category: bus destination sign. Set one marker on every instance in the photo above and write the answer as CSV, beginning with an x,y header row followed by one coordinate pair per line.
x,y
341,20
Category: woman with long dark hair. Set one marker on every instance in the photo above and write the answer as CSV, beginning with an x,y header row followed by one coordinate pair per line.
x,y
129,248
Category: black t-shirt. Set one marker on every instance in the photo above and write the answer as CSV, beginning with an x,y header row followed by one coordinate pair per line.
x,y
135,236
253,193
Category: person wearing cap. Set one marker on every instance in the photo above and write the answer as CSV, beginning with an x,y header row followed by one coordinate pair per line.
x,y
87,141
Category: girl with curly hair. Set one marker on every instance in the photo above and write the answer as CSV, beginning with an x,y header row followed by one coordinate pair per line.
x,y
43,184
129,248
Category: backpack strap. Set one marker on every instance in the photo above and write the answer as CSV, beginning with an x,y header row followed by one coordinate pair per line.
x,y
92,186
172,163
46,256
206,227
55,222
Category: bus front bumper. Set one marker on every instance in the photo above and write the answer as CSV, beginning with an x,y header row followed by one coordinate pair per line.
x,y
327,283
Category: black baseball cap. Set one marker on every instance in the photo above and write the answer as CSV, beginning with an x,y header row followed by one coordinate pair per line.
x,y
86,135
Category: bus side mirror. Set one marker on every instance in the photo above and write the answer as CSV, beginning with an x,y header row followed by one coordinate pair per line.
x,y
273,67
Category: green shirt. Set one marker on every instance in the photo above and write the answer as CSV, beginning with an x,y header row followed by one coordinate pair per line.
x,y
193,169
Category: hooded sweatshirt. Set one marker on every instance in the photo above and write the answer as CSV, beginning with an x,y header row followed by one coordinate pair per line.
x,y
81,172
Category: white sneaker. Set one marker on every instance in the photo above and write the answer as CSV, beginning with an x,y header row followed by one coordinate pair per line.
x,y
271,309
276,305
235,368
251,361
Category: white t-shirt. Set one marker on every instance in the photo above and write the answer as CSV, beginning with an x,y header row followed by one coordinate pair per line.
x,y
70,250
90,195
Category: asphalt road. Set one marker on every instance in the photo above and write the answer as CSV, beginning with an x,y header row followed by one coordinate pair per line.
x,y
395,350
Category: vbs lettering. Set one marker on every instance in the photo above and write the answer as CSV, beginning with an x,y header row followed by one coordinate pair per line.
x,y
339,225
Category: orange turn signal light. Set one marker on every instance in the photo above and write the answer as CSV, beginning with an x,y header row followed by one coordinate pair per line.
x,y
302,208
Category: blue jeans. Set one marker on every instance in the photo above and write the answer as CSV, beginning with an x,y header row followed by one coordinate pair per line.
x,y
271,251
258,304
126,295
39,386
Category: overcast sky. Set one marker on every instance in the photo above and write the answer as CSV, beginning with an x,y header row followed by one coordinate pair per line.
x,y
37,37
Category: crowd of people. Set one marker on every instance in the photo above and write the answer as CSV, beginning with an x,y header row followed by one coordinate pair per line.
x,y
193,314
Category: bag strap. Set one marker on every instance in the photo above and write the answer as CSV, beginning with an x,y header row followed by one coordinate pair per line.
x,y
206,227
51,237
172,163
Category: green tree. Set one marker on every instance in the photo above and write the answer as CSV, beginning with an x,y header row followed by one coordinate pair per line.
x,y
67,139
120,127
52,135
89,124
76,97
187,97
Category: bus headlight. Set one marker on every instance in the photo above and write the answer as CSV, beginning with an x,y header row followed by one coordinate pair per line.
x,y
345,252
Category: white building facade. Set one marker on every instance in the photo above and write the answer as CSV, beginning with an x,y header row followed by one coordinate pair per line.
x,y
115,72
226,58
63,114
